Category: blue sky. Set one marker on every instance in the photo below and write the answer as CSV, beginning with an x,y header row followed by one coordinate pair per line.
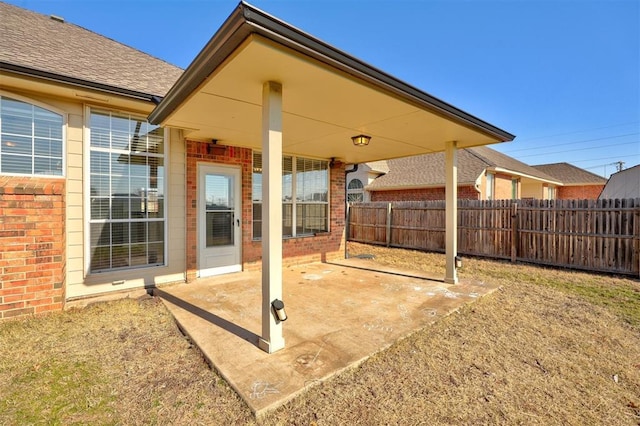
x,y
562,75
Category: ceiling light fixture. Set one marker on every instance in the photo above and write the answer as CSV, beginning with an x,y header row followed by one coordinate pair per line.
x,y
361,140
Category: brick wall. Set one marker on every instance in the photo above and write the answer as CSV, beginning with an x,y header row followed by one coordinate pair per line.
x,y
423,194
32,241
585,192
294,250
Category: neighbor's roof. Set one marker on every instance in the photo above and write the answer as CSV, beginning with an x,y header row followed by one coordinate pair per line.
x,y
42,46
571,175
623,184
378,166
429,170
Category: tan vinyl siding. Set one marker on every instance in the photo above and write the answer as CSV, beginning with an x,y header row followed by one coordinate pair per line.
x,y
77,283
175,236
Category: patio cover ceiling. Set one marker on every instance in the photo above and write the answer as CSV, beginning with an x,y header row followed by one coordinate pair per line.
x,y
328,97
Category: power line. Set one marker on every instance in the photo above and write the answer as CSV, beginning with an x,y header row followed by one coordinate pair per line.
x,y
605,158
574,150
574,142
581,131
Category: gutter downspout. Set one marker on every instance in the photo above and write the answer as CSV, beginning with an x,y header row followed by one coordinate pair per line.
x,y
346,211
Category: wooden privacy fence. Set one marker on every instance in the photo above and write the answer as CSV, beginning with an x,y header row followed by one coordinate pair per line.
x,y
594,235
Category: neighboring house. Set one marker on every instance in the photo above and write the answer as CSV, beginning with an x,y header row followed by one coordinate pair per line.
x,y
361,175
577,183
120,172
623,184
483,174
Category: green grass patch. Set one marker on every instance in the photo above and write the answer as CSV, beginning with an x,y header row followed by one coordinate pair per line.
x,y
63,391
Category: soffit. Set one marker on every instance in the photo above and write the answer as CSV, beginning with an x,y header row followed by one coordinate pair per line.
x,y
322,108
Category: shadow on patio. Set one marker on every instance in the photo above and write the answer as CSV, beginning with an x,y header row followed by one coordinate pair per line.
x,y
340,314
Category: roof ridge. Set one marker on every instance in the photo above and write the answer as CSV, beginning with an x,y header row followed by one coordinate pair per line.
x,y
573,166
473,152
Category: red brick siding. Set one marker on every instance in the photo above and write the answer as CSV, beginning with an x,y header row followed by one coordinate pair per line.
x,y
586,192
423,194
294,250
32,245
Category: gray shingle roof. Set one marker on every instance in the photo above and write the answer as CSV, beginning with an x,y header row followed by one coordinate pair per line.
x,y
35,41
428,170
569,174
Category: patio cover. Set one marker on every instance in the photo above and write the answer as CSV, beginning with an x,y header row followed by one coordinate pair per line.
x,y
263,84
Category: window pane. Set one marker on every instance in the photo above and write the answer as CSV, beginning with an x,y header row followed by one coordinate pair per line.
x,y
287,179
100,234
27,130
311,186
138,137
119,256
47,166
100,186
311,218
119,233
355,184
120,164
130,183
16,145
99,163
120,140
311,180
138,232
16,108
219,228
156,140
100,208
120,208
100,258
139,255
100,138
47,127
16,164
17,125
48,147
138,184
156,232
354,197
287,220
156,253
257,220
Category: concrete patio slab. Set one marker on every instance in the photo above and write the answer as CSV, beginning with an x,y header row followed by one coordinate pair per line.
x,y
339,315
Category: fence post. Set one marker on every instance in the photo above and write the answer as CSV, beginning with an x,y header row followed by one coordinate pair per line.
x,y
388,224
514,232
347,230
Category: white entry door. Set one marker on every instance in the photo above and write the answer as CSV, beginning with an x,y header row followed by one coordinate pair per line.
x,y
219,219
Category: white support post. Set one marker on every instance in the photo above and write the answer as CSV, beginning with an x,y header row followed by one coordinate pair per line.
x,y
451,213
272,338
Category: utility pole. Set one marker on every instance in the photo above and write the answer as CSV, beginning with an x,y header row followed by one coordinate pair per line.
x,y
620,165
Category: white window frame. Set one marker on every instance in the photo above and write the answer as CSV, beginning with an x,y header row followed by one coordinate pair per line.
x,y
294,202
86,153
490,186
355,191
54,110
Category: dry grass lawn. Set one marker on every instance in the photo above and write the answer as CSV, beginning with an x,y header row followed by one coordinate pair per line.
x,y
550,347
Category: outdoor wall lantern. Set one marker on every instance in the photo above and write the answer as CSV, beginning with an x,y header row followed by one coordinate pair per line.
x,y
361,140
278,308
458,262
215,149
